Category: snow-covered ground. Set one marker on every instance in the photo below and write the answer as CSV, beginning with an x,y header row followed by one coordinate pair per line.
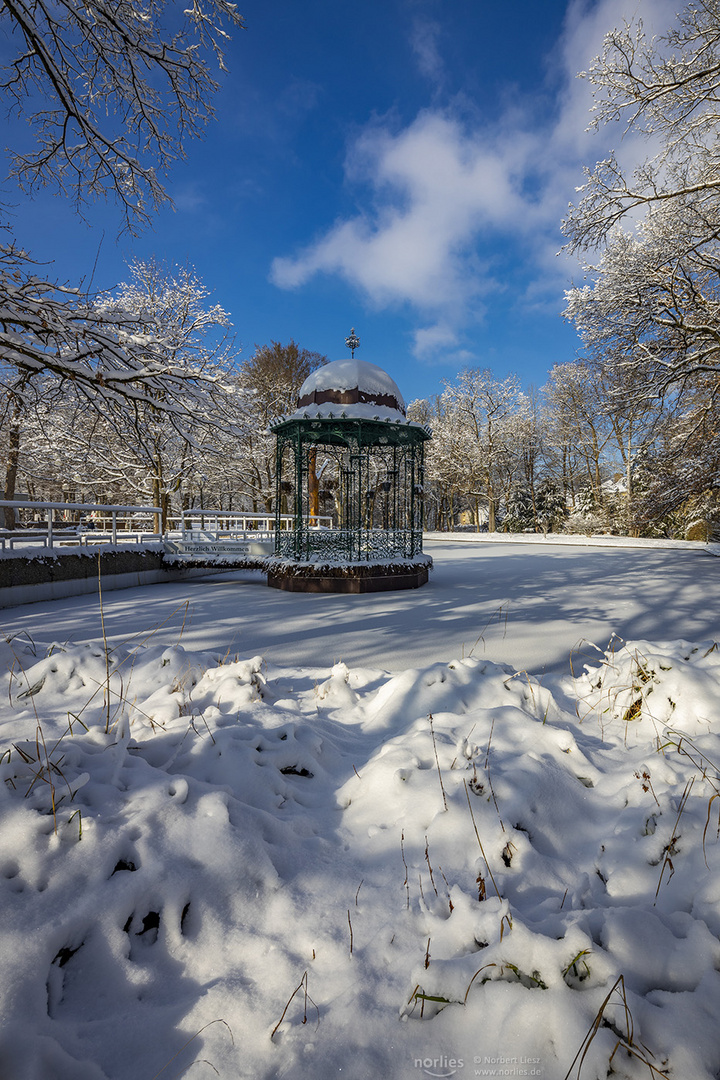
x,y
527,605
313,837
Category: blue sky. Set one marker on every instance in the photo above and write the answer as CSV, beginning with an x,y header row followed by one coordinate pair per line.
x,y
400,166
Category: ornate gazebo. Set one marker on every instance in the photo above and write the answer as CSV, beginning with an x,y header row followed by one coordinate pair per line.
x,y
349,475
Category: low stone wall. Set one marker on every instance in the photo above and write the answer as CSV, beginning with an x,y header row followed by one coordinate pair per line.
x,y
42,569
51,577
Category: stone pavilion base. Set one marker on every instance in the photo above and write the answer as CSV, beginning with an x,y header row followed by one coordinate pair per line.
x,y
349,577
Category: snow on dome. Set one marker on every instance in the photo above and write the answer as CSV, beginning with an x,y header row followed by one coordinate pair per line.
x,y
351,382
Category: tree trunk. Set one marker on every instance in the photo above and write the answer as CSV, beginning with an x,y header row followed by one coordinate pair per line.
x,y
632,529
11,466
161,497
491,504
157,522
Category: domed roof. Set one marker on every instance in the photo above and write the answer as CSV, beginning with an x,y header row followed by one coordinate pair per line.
x,y
351,383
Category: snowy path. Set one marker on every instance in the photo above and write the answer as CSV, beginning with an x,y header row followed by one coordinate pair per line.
x,y
533,605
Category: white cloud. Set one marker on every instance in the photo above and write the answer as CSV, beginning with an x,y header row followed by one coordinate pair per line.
x,y
189,197
424,43
429,339
450,205
435,187
441,343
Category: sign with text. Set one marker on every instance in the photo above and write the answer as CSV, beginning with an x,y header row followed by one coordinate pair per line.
x,y
224,548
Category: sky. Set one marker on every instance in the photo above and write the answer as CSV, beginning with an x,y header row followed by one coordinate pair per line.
x,y
398,166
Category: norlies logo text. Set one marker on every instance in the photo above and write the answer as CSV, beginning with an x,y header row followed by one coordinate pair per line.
x,y
439,1066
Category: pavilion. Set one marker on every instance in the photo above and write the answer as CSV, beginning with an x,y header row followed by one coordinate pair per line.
x,y
350,473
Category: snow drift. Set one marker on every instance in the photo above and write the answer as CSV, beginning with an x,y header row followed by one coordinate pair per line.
x,y
212,866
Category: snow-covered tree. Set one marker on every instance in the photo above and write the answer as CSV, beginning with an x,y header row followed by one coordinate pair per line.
x,y
520,515
580,424
527,435
111,91
483,406
653,309
107,353
652,313
665,89
676,480
162,440
597,424
12,410
152,450
448,466
550,505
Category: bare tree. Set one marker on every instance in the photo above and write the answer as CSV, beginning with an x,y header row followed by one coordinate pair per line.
x,y
124,85
579,421
271,379
650,319
163,435
449,477
666,89
484,406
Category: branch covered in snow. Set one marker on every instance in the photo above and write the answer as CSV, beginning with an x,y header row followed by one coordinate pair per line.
x,y
123,85
107,351
667,90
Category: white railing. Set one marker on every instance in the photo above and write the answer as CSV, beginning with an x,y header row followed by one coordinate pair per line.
x,y
228,534
197,527
49,532
232,523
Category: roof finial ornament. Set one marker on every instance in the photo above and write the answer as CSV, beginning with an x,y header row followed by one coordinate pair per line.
x,y
352,342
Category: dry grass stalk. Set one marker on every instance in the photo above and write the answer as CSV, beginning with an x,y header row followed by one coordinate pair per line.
x,y
191,1039
498,613
302,985
625,1041
406,883
105,647
450,903
482,849
670,848
427,860
489,779
437,761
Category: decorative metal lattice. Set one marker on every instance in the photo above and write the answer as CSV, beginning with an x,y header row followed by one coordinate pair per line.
x,y
366,476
